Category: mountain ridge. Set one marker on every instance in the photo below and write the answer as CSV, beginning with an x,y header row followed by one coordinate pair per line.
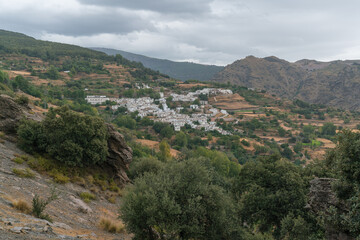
x,y
335,83
179,70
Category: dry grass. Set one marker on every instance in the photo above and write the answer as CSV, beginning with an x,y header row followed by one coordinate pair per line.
x,y
22,206
111,225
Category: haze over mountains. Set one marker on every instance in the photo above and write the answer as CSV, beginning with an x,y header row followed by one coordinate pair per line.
x,y
179,70
335,83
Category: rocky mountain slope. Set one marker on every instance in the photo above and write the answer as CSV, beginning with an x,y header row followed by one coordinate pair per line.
x,y
72,217
179,70
334,83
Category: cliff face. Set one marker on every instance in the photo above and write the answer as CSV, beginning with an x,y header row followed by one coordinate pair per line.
x,y
332,83
120,154
11,113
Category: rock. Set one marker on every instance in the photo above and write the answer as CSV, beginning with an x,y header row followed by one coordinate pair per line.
x,y
120,154
16,229
64,237
11,113
321,196
83,236
80,205
47,229
61,225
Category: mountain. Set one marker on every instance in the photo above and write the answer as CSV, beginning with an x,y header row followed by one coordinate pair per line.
x,y
179,70
335,83
12,42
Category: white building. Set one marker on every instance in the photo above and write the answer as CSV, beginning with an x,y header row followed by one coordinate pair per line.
x,y
96,99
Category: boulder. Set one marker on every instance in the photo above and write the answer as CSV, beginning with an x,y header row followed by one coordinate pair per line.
x,y
120,155
80,205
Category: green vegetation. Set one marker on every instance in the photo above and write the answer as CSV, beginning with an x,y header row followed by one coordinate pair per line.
x,y
215,186
179,70
87,197
69,137
39,205
177,202
24,173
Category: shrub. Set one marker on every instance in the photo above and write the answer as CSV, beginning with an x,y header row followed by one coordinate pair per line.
x,y
143,165
18,160
24,173
112,226
59,177
245,143
22,100
68,137
21,205
39,205
87,197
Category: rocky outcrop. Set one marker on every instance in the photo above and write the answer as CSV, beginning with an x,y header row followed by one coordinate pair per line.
x,y
321,198
120,155
11,113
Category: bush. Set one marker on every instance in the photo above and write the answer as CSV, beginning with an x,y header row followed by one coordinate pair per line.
x,y
111,226
245,143
18,160
143,165
87,197
39,205
24,173
179,202
59,177
21,205
71,138
22,100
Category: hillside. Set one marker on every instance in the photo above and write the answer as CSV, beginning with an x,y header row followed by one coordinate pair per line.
x,y
332,83
179,70
135,154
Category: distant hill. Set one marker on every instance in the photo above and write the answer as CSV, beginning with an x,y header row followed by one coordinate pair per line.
x,y
335,83
12,42
179,70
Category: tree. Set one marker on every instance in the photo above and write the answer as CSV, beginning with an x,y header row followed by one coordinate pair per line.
x,y
140,166
164,151
179,202
167,131
181,139
69,137
125,121
328,129
267,190
4,77
53,73
282,132
344,162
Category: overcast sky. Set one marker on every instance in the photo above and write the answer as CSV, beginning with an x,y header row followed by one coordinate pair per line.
x,y
204,31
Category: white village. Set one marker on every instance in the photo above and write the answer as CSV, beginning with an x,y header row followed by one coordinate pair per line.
x,y
159,110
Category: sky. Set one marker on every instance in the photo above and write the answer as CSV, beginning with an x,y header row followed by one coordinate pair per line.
x,y
203,31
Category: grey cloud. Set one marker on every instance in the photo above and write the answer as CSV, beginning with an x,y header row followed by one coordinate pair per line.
x,y
161,6
85,23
